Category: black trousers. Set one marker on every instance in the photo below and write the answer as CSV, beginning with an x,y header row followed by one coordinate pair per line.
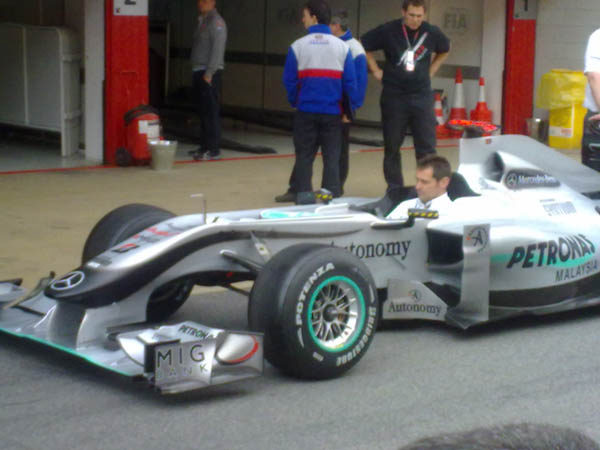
x,y
312,131
207,98
590,144
398,112
344,155
344,163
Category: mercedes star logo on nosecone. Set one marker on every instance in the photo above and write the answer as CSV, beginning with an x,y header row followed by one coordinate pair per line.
x,y
69,281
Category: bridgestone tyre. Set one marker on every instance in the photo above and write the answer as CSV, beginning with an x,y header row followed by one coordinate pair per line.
x,y
317,307
122,223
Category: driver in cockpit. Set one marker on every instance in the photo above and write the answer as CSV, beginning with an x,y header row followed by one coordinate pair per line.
x,y
433,177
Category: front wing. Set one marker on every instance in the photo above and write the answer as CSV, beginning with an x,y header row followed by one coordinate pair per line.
x,y
171,358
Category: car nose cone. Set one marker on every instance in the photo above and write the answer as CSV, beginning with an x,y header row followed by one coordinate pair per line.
x,y
237,348
69,281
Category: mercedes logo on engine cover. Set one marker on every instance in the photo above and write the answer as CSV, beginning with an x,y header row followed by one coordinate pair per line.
x,y
512,180
69,281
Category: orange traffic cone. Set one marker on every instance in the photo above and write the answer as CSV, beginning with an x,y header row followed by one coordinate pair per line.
x,y
481,111
458,110
441,131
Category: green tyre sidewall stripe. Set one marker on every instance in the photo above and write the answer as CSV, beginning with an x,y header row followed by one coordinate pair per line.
x,y
363,313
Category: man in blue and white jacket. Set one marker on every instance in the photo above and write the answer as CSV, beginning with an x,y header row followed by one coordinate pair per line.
x,y
318,71
339,27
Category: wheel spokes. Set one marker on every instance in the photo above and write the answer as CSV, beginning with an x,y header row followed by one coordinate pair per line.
x,y
335,314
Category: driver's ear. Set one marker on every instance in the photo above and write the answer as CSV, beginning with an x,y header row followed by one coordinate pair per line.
x,y
445,182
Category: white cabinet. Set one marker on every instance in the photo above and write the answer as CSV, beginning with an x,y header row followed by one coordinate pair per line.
x,y
40,80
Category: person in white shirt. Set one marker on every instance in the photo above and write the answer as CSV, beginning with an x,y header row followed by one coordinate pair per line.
x,y
433,177
590,156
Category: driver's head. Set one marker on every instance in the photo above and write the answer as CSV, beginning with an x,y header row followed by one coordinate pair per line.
x,y
433,176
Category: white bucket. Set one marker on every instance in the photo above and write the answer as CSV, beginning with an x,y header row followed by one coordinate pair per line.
x,y
163,154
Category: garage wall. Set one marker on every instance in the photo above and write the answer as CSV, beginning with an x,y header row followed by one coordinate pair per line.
x,y
74,17
461,21
260,32
181,16
33,12
563,29
244,79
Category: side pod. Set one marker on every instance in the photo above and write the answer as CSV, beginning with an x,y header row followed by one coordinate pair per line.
x,y
475,282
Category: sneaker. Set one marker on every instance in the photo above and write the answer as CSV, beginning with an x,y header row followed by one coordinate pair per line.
x,y
207,156
324,195
341,194
199,156
288,197
213,156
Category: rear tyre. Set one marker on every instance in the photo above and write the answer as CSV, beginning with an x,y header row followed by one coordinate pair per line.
x,y
119,225
317,307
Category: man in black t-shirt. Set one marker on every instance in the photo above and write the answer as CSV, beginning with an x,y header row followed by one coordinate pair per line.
x,y
414,51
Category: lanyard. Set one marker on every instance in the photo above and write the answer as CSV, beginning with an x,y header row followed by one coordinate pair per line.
x,y
406,37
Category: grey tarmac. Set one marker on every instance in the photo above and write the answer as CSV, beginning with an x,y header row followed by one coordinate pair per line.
x,y
416,380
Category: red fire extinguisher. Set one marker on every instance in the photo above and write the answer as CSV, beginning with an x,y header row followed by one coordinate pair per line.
x,y
142,124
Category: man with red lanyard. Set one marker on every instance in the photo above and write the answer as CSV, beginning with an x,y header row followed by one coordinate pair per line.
x,y
414,51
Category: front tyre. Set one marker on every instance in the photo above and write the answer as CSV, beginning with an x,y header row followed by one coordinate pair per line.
x,y
318,308
119,225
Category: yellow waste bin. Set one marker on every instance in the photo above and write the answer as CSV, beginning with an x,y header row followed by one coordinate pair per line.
x,y
566,127
562,91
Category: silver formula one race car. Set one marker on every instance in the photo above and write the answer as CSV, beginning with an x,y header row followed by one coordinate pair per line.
x,y
522,238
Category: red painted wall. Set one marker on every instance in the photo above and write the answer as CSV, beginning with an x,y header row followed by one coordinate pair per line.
x,y
126,85
518,72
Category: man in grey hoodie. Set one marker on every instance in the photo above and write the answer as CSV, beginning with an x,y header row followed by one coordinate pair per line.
x,y
208,55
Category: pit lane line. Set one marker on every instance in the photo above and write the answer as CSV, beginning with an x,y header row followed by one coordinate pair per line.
x,y
191,161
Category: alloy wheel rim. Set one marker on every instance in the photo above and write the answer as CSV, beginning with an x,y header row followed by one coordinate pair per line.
x,y
336,314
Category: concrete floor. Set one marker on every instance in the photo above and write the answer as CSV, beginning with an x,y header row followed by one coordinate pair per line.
x,y
19,151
